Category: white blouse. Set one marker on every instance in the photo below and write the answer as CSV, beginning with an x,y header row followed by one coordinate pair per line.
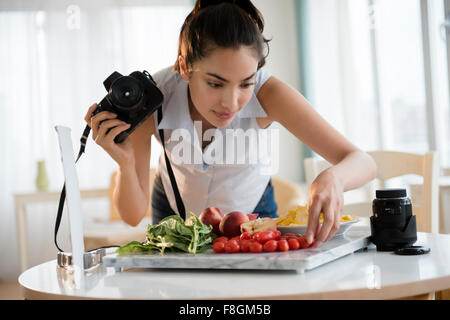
x,y
233,170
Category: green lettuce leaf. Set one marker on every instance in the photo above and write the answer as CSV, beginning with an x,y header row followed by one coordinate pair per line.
x,y
173,234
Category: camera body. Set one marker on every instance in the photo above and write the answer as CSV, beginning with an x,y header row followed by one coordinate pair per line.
x,y
133,98
393,225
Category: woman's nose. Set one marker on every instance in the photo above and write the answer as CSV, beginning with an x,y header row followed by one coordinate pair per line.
x,y
230,100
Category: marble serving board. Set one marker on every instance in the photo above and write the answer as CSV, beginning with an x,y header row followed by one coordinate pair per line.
x,y
305,259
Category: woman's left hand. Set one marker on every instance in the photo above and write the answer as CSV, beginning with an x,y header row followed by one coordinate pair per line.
x,y
326,195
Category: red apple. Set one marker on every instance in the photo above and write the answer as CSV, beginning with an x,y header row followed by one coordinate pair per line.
x,y
212,216
252,216
230,225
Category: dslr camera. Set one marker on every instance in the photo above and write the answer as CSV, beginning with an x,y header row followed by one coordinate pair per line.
x,y
133,98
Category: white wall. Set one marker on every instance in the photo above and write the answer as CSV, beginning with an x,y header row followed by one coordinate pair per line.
x,y
282,62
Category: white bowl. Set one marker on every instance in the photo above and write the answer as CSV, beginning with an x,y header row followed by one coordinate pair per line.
x,y
302,229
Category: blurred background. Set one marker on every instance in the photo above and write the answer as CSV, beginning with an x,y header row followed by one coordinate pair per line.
x,y
377,70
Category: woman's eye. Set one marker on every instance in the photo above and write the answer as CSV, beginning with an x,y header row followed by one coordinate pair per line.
x,y
214,85
247,85
218,85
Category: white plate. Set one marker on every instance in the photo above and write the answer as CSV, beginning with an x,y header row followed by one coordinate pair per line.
x,y
302,229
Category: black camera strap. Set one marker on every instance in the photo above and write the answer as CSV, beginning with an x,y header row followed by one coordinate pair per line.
x,y
179,201
63,192
83,140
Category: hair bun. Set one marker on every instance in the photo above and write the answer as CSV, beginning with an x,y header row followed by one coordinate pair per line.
x,y
245,5
206,3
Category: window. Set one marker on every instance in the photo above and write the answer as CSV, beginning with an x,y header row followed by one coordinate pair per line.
x,y
401,75
379,72
440,58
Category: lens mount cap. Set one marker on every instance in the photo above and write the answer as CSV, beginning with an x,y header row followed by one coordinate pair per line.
x,y
390,193
412,251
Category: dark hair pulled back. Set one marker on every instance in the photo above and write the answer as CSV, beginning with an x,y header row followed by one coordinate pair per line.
x,y
223,24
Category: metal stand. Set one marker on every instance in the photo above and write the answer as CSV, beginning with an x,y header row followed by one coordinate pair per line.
x,y
91,259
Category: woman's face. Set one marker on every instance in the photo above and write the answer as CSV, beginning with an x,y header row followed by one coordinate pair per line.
x,y
222,83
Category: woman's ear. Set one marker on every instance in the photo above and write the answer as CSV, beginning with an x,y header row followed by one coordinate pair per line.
x,y
183,69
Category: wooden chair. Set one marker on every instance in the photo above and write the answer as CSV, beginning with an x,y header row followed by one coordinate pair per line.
x,y
391,164
288,195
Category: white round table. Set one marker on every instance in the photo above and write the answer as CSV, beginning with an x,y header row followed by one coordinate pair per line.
x,y
367,274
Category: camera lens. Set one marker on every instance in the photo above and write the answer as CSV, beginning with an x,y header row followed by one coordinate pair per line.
x,y
126,94
392,207
392,224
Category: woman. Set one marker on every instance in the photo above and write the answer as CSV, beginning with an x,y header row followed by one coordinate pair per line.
x,y
219,82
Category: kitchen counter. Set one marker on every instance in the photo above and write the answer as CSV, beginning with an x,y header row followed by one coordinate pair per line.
x,y
366,274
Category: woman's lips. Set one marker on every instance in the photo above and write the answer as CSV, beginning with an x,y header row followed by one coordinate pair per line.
x,y
224,116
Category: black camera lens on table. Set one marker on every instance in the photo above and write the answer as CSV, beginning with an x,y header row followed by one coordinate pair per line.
x,y
393,225
133,98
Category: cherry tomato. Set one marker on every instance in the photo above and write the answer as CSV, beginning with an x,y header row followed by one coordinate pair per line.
x,y
289,235
264,236
302,242
219,246
270,246
245,245
293,244
232,246
300,239
277,235
219,239
283,245
236,238
255,247
246,236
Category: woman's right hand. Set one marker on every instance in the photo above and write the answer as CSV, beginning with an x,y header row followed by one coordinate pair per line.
x,y
100,123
